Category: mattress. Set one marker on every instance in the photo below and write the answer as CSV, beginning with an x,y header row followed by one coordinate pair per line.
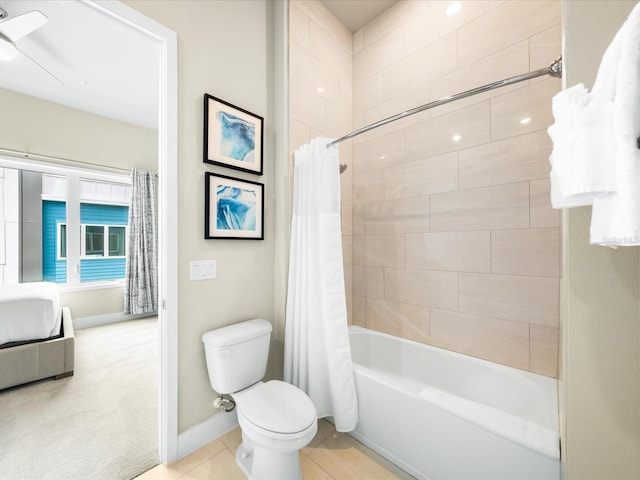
x,y
29,311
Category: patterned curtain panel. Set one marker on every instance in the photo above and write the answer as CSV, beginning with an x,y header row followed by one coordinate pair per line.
x,y
141,279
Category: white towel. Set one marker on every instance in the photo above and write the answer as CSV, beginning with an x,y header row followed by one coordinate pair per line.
x,y
616,217
583,137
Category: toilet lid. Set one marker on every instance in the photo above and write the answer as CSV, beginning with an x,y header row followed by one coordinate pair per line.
x,y
278,407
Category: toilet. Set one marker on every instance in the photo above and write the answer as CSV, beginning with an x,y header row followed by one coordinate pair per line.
x,y
276,418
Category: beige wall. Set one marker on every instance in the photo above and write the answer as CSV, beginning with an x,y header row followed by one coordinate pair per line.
x,y
225,48
454,242
320,78
37,126
600,373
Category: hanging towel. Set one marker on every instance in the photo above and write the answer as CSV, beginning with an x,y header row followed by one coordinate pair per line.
x,y
583,137
616,217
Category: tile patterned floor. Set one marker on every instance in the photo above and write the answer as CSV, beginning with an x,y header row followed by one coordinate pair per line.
x,y
329,456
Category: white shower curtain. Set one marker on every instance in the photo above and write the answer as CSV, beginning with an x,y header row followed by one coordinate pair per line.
x,y
317,353
141,274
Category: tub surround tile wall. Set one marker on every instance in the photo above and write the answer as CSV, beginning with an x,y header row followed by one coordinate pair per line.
x,y
455,242
447,242
320,102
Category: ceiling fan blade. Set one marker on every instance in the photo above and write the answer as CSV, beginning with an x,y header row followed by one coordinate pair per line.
x,y
37,63
22,25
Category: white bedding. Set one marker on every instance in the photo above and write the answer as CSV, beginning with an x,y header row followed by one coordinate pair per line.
x,y
29,311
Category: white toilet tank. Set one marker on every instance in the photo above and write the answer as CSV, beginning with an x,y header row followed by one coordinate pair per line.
x,y
237,354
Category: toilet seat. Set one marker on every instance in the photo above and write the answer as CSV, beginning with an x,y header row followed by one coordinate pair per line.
x,y
278,408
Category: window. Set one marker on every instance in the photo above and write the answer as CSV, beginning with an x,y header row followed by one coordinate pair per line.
x,y
94,245
62,241
68,225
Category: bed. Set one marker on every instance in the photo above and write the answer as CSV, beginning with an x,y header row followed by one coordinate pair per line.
x,y
36,334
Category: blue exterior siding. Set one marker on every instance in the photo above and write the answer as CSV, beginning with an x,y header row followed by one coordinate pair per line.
x,y
53,213
91,269
94,214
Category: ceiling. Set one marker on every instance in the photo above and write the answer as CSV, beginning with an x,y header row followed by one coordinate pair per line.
x,y
106,67
355,14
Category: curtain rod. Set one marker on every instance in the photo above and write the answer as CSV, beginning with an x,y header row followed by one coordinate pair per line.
x,y
554,70
63,161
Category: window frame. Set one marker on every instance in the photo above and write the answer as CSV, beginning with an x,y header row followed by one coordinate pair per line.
x,y
106,228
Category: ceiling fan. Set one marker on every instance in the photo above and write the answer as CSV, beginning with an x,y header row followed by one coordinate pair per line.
x,y
18,27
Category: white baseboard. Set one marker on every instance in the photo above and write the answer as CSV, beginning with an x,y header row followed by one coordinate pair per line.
x,y
96,320
206,432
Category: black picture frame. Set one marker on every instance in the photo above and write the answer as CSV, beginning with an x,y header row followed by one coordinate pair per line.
x,y
233,208
233,136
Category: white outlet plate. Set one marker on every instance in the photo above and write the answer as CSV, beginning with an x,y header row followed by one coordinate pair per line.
x,y
203,269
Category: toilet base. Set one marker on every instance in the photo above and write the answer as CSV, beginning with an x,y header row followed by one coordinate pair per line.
x,y
261,464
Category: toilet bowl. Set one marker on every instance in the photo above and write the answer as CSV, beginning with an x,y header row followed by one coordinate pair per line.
x,y
277,419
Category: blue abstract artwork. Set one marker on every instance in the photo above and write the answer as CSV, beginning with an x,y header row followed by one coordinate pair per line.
x,y
237,137
235,208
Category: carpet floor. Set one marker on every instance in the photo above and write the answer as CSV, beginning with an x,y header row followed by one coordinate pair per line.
x,y
100,424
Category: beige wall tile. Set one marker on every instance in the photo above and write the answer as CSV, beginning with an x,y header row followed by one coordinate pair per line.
x,y
398,216
394,17
368,93
409,100
525,157
312,8
306,106
336,30
422,287
368,281
298,134
327,50
399,319
359,219
511,61
435,136
346,97
298,28
337,121
545,48
346,187
532,102
522,299
452,251
544,350
529,251
377,56
503,206
347,249
413,71
517,20
542,214
368,188
346,216
379,250
433,23
422,177
383,152
313,75
359,312
357,42
493,339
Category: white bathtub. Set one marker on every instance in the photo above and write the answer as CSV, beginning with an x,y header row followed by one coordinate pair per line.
x,y
442,415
